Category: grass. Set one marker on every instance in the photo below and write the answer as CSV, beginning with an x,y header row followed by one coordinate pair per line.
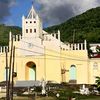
x,y
92,99
52,98
64,93
78,97
22,98
38,98
46,98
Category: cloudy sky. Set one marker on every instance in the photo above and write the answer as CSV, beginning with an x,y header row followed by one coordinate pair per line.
x,y
51,11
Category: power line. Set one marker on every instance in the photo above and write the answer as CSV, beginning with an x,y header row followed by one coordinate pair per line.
x,y
43,53
50,55
29,50
33,44
46,48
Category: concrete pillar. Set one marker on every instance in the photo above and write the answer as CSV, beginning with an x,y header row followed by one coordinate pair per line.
x,y
23,26
4,48
85,45
1,49
58,34
81,46
78,46
14,37
55,35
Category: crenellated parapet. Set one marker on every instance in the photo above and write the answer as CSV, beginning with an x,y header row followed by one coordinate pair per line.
x,y
52,36
3,49
75,46
56,35
17,37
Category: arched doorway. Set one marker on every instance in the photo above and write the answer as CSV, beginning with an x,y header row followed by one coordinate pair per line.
x,y
30,71
73,74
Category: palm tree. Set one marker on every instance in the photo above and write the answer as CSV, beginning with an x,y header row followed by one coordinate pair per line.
x,y
98,83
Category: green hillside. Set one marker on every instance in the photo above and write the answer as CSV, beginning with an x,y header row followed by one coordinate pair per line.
x,y
84,26
4,33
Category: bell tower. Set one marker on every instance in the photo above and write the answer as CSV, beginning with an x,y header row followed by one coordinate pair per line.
x,y
31,24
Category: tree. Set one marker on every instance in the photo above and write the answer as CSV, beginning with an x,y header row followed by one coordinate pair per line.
x,y
98,83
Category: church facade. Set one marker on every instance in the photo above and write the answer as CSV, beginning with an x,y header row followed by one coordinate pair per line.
x,y
40,55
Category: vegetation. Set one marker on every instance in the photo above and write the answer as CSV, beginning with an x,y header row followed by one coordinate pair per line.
x,y
84,26
66,92
98,83
4,33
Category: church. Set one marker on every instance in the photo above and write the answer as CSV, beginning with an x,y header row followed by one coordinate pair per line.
x,y
41,55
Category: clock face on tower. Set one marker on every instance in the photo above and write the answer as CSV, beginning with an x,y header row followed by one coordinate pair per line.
x,y
30,45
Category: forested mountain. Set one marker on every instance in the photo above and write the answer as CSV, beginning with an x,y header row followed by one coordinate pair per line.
x,y
4,33
84,26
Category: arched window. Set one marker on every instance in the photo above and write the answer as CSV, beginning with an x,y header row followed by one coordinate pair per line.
x,y
30,71
34,21
26,30
95,65
34,30
30,30
73,72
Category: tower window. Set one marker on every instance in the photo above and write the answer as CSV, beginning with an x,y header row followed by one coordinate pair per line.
x,y
30,30
95,65
30,21
26,22
34,21
26,30
34,30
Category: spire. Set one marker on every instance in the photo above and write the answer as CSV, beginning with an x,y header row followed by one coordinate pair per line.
x,y
32,2
32,13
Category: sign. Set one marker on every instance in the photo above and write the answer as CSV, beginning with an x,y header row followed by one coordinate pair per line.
x,y
94,51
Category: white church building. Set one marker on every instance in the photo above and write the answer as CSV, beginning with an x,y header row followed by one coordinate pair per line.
x,y
41,55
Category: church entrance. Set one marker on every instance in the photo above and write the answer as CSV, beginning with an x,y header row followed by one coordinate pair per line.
x,y
30,71
73,73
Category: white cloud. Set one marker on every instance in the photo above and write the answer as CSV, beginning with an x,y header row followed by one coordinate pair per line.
x,y
9,22
57,11
12,3
83,5
5,8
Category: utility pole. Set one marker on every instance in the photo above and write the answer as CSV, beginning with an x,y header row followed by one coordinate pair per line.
x,y
73,36
7,94
10,63
13,73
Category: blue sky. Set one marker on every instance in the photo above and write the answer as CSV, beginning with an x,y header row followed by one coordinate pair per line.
x,y
51,12
19,9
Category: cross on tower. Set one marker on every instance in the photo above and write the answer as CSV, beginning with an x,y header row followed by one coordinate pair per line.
x,y
32,2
